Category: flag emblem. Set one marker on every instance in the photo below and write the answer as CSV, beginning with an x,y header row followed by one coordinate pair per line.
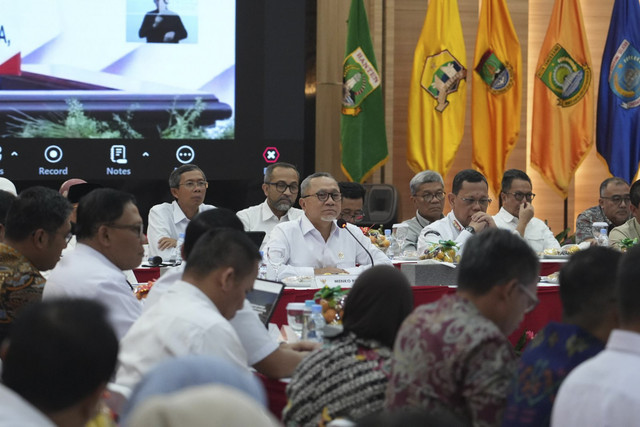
x,y
567,79
494,73
441,76
359,79
624,75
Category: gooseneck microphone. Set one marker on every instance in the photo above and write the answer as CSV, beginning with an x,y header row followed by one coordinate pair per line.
x,y
343,224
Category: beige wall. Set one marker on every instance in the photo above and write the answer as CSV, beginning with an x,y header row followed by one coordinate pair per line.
x,y
396,26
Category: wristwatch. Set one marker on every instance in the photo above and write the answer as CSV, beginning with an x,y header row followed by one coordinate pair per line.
x,y
470,229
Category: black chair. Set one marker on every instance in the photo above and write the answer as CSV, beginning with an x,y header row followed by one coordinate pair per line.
x,y
380,205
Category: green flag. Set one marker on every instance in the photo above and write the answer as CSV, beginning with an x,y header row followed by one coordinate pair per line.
x,y
362,130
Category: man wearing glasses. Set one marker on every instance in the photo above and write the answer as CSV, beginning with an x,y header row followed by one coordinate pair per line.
x,y
37,229
167,221
469,200
281,189
427,195
613,208
631,228
313,243
352,201
110,238
454,353
516,213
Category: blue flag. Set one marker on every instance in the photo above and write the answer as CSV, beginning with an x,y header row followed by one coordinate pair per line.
x,y
618,122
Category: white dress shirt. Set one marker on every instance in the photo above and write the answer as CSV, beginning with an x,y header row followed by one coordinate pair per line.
x,y
536,233
86,273
261,218
305,248
604,390
17,412
167,220
184,321
254,337
447,228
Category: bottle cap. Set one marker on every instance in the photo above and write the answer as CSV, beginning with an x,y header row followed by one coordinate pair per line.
x,y
316,308
309,303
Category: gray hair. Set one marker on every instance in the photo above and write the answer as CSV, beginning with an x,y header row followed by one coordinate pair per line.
x,y
306,183
614,180
269,171
422,178
174,178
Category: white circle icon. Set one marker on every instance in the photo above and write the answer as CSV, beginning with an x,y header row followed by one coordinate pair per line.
x,y
53,154
185,154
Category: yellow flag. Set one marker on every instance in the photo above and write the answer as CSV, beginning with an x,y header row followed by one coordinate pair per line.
x,y
496,92
437,93
562,98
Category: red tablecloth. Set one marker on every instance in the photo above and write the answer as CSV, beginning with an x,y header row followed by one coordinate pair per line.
x,y
549,309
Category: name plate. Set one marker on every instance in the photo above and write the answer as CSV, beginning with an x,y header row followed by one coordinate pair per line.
x,y
333,280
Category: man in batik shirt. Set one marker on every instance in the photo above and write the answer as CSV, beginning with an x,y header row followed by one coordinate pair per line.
x,y
454,353
587,291
37,229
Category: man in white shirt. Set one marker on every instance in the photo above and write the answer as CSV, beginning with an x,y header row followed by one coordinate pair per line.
x,y
469,200
314,244
57,362
110,239
281,189
427,195
167,221
192,317
605,390
516,213
263,352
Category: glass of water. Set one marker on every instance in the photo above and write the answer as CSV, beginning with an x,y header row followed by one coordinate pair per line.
x,y
276,256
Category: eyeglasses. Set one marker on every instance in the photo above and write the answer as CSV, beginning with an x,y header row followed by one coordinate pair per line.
x,y
427,197
282,186
470,201
618,199
323,196
191,185
519,196
353,216
533,298
136,228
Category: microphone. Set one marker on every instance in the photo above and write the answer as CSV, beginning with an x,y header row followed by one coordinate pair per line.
x,y
155,261
343,224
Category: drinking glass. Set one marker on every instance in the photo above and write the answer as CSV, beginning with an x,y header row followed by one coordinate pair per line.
x,y
401,231
275,255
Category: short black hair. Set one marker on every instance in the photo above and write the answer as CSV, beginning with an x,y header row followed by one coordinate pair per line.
x,y
613,180
269,170
587,284
627,289
60,351
468,175
512,174
634,193
352,190
6,199
36,208
100,206
378,303
222,247
493,258
174,177
209,220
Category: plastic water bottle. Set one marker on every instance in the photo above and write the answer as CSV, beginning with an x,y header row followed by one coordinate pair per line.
x,y
262,268
393,248
176,254
315,327
603,240
306,317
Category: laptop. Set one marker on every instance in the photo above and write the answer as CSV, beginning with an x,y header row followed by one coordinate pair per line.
x,y
264,298
256,237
